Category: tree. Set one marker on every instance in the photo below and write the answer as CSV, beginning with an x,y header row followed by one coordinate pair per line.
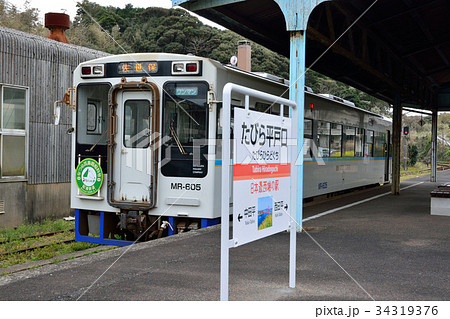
x,y
115,30
413,152
26,20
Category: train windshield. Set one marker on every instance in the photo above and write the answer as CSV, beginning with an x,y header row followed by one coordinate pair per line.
x,y
185,128
92,124
92,113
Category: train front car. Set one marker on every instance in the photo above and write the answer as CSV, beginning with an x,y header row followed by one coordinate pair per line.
x,y
147,144
142,129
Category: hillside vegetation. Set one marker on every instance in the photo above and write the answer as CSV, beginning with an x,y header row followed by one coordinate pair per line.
x,y
129,29
419,139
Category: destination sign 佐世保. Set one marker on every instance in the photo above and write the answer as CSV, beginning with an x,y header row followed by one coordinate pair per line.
x,y
137,68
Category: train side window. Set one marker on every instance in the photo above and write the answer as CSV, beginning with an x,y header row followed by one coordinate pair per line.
x,y
379,144
265,108
219,119
348,136
359,142
368,144
323,139
273,108
307,138
336,140
308,128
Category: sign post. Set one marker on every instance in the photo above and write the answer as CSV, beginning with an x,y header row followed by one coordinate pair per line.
x,y
264,176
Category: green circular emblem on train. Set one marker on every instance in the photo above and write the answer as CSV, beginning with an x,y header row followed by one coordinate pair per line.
x,y
89,176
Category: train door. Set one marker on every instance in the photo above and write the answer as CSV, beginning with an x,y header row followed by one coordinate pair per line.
x,y
132,157
387,151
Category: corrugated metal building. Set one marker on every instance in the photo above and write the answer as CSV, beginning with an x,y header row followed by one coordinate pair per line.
x,y
34,153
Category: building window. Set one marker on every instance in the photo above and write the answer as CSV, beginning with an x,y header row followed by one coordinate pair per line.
x,y
13,129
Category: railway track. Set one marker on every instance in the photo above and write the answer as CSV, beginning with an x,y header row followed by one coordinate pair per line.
x,y
37,246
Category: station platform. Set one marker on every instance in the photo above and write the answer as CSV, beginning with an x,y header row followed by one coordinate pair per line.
x,y
367,245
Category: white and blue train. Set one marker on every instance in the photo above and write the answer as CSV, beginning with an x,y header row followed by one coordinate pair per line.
x,y
147,153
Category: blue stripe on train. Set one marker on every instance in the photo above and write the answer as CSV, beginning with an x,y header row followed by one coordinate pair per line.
x,y
218,162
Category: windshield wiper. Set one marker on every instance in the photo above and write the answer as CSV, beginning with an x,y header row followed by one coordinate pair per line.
x,y
177,140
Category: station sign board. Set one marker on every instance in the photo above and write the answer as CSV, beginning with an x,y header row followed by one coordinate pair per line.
x,y
261,175
264,185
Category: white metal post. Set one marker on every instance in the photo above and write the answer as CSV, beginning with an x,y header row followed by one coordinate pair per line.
x,y
225,218
226,243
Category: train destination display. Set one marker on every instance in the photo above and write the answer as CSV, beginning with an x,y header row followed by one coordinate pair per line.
x,y
261,175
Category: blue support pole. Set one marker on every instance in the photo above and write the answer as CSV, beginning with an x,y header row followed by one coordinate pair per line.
x,y
297,93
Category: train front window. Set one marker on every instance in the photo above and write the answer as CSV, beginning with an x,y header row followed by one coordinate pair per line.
x,y
185,128
92,122
92,107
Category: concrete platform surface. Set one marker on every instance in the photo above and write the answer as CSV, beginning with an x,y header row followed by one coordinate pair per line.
x,y
386,248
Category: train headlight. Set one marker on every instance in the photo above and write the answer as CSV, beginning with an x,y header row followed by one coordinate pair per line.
x,y
93,71
97,70
186,68
177,68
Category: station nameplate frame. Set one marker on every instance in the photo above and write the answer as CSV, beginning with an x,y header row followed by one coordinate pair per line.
x,y
261,175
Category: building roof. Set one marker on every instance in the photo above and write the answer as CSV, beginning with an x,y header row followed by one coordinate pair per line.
x,y
395,48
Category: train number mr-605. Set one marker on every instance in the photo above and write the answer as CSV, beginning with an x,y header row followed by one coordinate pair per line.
x,y
187,186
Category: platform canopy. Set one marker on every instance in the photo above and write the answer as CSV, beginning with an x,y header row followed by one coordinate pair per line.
x,y
393,48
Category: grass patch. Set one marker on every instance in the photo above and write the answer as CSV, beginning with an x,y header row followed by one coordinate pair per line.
x,y
54,249
25,230
419,169
43,253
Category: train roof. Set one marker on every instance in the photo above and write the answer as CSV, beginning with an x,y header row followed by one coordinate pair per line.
x,y
285,83
145,57
260,75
